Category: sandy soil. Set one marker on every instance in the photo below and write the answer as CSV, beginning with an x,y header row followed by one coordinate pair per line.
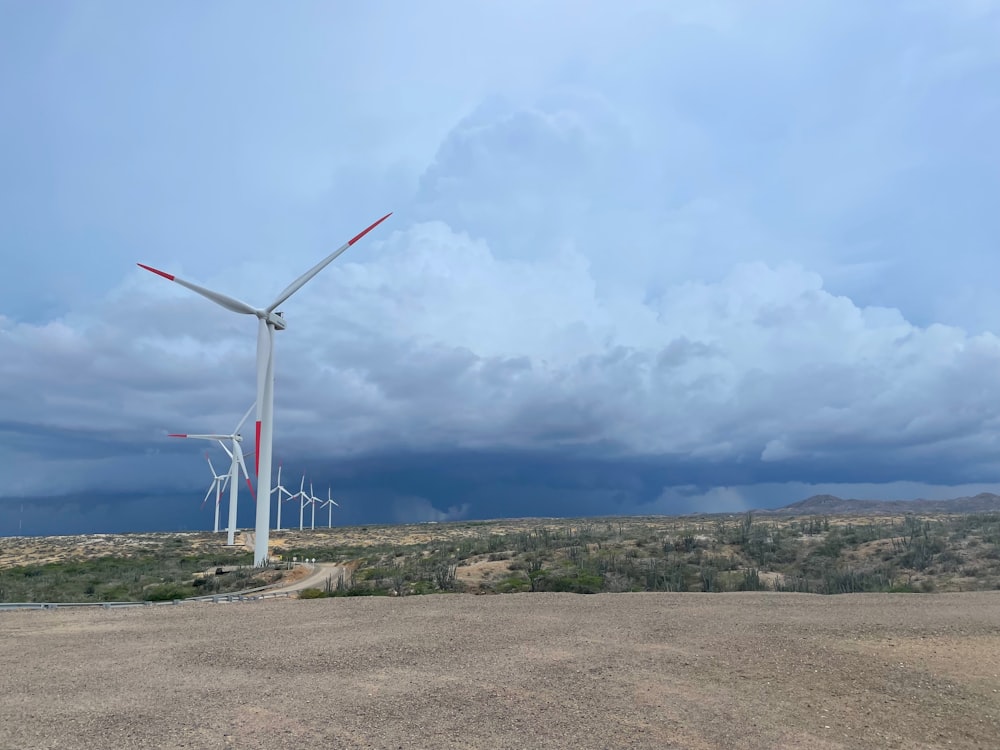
x,y
483,570
514,671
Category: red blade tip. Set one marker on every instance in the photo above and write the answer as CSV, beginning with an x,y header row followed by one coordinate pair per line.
x,y
157,271
366,231
176,435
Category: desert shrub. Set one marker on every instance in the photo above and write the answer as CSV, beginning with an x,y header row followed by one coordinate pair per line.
x,y
362,591
512,584
444,576
617,582
168,592
920,553
857,581
708,577
115,593
578,583
312,593
751,581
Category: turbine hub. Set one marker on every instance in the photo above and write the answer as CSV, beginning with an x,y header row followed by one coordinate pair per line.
x,y
277,319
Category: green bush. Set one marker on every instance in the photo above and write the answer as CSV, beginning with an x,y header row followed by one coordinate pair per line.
x,y
312,594
168,592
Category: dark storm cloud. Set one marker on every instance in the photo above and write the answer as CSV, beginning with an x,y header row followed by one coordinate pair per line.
x,y
588,296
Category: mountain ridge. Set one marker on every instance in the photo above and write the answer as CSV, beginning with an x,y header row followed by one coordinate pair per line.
x,y
984,502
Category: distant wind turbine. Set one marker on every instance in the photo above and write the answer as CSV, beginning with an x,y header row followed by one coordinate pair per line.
x,y
218,486
313,500
236,463
303,500
269,321
330,502
280,490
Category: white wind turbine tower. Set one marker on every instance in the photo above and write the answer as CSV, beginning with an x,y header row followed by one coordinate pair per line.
x,y
313,500
218,486
269,321
280,490
236,463
303,500
330,502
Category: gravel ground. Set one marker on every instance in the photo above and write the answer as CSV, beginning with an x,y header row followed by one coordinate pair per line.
x,y
513,671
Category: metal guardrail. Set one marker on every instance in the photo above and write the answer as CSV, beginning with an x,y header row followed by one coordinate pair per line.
x,y
62,605
214,598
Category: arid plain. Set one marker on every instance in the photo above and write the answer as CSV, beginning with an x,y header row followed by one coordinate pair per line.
x,y
538,670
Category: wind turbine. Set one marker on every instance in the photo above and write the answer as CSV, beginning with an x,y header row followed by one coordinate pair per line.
x,y
280,490
269,321
312,501
217,486
236,463
330,502
303,497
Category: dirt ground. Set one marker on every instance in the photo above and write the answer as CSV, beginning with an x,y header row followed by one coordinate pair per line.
x,y
514,671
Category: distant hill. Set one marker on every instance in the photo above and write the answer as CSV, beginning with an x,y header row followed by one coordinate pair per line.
x,y
984,502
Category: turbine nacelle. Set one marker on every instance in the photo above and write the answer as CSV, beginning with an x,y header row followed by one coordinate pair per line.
x,y
275,319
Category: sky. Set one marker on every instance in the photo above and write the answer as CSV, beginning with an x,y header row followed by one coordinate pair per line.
x,y
653,258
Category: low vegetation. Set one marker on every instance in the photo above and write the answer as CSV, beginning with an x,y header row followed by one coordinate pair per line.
x,y
174,571
811,554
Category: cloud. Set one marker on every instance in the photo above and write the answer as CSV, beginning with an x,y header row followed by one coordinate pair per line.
x,y
694,499
679,245
434,343
419,510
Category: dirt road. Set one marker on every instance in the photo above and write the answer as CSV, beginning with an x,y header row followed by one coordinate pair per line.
x,y
516,671
315,577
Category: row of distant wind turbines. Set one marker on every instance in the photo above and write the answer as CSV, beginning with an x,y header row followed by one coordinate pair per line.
x,y
218,486
269,320
231,478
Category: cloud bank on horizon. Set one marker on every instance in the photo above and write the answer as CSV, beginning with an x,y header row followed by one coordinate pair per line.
x,y
688,256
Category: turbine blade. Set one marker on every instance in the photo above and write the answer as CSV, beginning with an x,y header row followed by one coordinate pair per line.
x,y
304,278
202,437
230,303
246,475
208,494
228,452
245,418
